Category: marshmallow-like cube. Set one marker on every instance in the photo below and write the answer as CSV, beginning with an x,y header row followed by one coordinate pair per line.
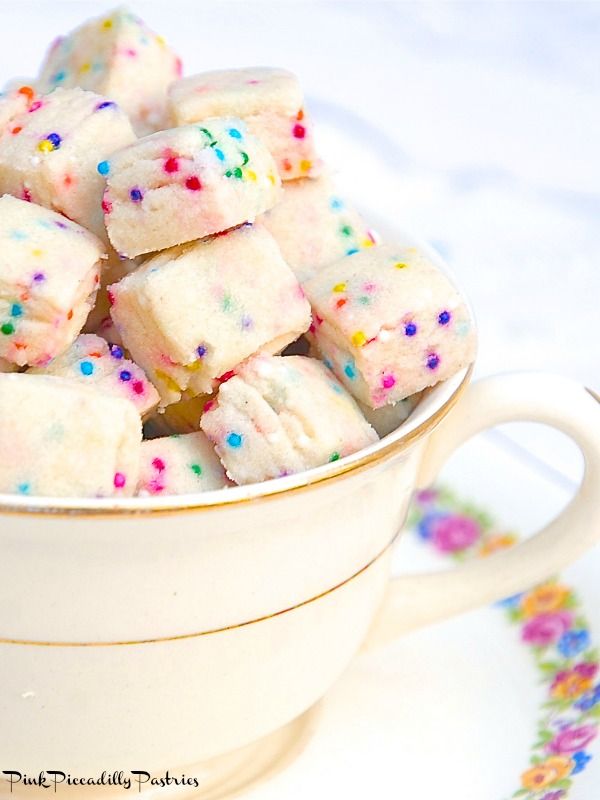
x,y
183,184
389,323
180,465
314,227
61,439
50,153
280,415
190,314
92,361
116,55
49,274
271,102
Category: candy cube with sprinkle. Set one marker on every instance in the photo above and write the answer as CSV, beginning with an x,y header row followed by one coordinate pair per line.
x,y
314,227
270,101
90,360
117,56
180,465
389,323
281,415
58,438
49,274
183,184
190,314
49,154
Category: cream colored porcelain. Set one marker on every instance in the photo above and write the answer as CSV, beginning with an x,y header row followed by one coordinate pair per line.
x,y
149,634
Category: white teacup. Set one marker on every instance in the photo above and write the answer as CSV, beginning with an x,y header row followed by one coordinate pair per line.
x,y
186,634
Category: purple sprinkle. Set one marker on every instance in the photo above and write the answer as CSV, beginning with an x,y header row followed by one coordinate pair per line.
x,y
105,104
246,322
136,195
410,329
39,276
433,360
444,318
54,140
201,350
116,351
125,375
59,224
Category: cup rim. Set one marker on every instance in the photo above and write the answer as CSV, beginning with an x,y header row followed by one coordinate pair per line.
x,y
433,406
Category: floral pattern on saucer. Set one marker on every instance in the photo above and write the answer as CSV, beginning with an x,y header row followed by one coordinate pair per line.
x,y
552,626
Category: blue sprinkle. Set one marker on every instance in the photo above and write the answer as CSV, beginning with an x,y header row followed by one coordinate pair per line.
x,y
54,140
201,350
59,76
234,440
136,195
234,133
350,370
116,351
433,360
86,367
410,329
125,375
328,363
336,203
103,168
16,310
23,488
219,154
18,235
105,104
444,317
352,251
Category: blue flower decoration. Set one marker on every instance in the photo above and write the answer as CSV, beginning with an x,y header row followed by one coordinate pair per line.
x,y
571,643
510,602
581,760
427,522
589,700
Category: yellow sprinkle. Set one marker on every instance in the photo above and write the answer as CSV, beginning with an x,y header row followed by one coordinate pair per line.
x,y
339,287
272,178
160,40
250,174
45,146
107,24
401,265
167,380
36,252
305,165
85,67
368,243
194,366
359,339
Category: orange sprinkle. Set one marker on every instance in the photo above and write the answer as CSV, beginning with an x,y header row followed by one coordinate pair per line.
x,y
341,302
300,114
67,180
70,314
28,92
17,129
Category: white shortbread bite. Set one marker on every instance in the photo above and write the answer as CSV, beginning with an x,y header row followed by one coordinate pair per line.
x,y
50,153
183,184
190,314
61,439
271,102
390,323
181,417
49,273
314,227
92,361
180,465
116,55
283,414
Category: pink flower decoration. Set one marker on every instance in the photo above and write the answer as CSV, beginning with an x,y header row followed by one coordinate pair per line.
x,y
570,740
545,629
455,532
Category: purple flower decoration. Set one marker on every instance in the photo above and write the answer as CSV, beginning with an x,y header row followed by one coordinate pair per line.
x,y
571,740
455,532
546,629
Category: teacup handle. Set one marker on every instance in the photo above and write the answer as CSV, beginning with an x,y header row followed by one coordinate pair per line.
x,y
416,600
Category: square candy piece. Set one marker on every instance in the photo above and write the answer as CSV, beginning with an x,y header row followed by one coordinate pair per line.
x,y
49,153
314,227
64,440
180,465
192,313
183,184
49,273
281,415
389,323
118,56
271,102
90,360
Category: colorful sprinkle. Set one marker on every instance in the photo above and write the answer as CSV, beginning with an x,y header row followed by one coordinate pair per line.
x,y
106,205
171,164
16,310
193,183
7,328
103,167
444,318
125,375
136,195
196,469
336,203
234,133
86,367
350,370
346,230
400,265
334,457
352,251
116,351
158,464
359,339
119,480
433,361
339,287
388,381
410,329
105,104
50,143
201,350
23,488
39,277
299,131
138,387
219,154
234,440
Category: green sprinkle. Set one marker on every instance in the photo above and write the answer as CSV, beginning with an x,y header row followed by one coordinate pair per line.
x,y
334,457
245,158
227,303
346,230
238,172
196,469
7,328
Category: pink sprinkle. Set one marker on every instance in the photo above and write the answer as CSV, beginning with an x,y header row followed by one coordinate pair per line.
x,y
226,376
138,387
119,480
35,105
253,82
388,381
299,131
158,464
26,194
211,404
111,297
178,67
155,487
171,164
106,205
